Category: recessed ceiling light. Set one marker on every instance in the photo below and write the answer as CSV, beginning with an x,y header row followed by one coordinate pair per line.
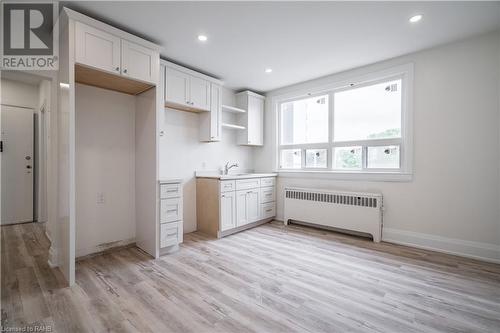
x,y
268,70
415,18
202,38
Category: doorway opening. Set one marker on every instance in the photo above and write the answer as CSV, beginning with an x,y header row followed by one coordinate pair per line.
x,y
25,103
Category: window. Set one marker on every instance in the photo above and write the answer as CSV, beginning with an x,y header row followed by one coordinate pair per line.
x,y
355,128
305,121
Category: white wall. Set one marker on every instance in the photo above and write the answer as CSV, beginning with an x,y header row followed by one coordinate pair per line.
x,y
182,153
452,204
19,94
105,164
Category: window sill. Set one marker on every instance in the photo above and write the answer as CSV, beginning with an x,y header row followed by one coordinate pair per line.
x,y
352,176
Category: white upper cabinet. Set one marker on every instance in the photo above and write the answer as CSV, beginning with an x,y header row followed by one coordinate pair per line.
x,y
199,93
139,62
177,87
210,122
252,120
97,48
186,91
104,51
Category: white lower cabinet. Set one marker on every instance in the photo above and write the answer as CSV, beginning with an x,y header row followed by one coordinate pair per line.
x,y
247,206
253,205
268,210
227,210
171,225
227,206
169,234
241,208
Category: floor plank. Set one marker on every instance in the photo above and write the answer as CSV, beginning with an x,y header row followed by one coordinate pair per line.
x,y
268,279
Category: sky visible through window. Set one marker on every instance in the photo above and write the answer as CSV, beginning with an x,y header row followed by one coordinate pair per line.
x,y
371,112
305,121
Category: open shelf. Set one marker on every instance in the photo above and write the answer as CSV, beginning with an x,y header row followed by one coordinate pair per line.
x,y
232,109
233,126
100,79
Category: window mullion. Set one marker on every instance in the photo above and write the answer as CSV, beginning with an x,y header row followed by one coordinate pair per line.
x,y
331,113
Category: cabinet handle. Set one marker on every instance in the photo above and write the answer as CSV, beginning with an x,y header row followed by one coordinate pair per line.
x,y
117,69
268,210
125,70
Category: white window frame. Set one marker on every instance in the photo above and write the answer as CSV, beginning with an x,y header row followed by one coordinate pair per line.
x,y
405,143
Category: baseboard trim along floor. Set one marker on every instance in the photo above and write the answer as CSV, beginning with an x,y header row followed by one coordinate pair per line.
x,y
464,248
468,249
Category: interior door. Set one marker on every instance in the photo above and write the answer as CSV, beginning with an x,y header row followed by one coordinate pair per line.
x,y
17,164
97,48
139,62
199,93
176,90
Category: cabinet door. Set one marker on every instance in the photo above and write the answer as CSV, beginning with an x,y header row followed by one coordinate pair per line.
x,y
215,112
199,93
139,62
255,121
210,122
176,87
253,205
241,208
227,210
97,48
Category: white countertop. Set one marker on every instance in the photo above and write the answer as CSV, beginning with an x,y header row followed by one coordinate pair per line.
x,y
214,175
170,180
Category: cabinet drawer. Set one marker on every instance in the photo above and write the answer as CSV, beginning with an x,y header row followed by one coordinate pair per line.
x,y
270,181
227,185
170,210
267,194
170,191
245,184
169,234
268,210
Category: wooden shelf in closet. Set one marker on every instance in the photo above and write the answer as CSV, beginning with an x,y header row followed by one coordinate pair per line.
x,y
105,80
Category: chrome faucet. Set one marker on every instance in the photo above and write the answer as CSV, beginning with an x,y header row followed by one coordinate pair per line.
x,y
228,167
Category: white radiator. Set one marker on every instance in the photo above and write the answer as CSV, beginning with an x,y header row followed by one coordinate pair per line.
x,y
360,212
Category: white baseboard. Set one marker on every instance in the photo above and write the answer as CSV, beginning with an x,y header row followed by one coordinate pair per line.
x,y
103,247
474,250
459,247
52,261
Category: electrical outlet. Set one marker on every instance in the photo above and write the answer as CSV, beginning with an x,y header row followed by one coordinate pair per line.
x,y
100,197
204,165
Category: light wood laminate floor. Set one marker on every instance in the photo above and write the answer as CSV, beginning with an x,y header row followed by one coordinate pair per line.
x,y
268,279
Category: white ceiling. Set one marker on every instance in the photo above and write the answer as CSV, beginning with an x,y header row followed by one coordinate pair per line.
x,y
298,40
